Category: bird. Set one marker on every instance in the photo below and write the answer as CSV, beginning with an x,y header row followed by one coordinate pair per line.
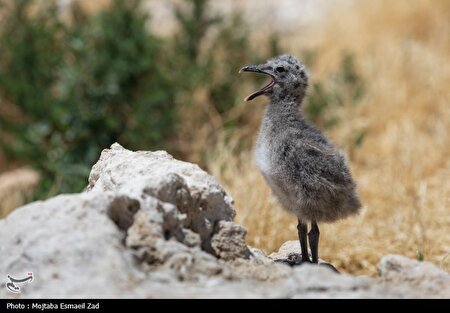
x,y
308,175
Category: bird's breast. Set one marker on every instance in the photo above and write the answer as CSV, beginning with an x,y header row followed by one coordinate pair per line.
x,y
263,157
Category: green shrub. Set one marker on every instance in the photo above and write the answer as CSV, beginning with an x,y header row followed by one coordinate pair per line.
x,y
81,85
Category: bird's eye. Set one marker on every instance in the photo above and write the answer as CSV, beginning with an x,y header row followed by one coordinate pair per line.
x,y
280,69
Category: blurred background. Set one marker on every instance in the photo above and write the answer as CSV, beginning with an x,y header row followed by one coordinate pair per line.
x,y
79,75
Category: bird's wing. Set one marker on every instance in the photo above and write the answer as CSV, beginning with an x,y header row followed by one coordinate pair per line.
x,y
324,150
316,165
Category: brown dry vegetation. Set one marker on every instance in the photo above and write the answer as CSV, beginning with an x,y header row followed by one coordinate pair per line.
x,y
16,187
403,167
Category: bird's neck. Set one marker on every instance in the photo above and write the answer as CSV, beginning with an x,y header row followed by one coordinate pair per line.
x,y
284,111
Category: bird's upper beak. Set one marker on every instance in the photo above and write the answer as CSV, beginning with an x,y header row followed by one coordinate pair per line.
x,y
258,69
251,68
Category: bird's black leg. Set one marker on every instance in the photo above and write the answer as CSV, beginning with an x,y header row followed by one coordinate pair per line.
x,y
313,236
302,236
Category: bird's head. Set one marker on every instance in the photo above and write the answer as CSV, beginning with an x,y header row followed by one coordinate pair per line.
x,y
289,79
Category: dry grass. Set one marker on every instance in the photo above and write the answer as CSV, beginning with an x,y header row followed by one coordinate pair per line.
x,y
403,168
16,187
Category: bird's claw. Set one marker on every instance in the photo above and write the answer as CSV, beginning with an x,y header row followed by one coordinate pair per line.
x,y
295,259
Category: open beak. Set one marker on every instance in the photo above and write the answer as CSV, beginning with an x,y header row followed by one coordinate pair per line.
x,y
265,89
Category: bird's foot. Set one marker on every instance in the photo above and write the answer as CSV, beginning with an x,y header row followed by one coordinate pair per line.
x,y
295,259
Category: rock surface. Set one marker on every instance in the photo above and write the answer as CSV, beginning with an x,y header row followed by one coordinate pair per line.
x,y
152,226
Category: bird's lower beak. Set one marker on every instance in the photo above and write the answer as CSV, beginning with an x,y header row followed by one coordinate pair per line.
x,y
265,89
